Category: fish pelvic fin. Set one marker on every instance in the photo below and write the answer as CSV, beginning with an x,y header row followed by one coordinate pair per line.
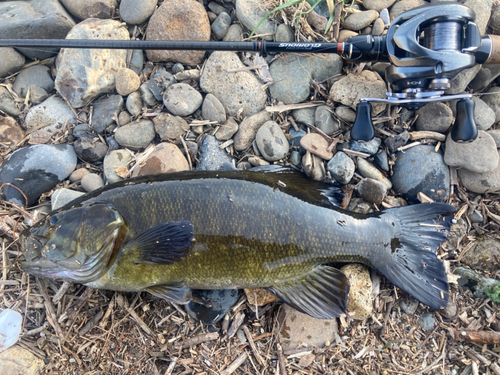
x,y
320,293
172,293
410,261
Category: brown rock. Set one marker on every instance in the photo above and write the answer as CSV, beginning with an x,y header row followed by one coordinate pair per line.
x,y
10,132
484,255
78,174
317,145
227,130
127,81
19,361
359,301
179,20
170,127
248,130
259,297
166,158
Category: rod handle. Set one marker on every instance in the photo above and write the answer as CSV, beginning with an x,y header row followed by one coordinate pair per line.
x,y
495,50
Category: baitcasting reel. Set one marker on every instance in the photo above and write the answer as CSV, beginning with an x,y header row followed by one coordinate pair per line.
x,y
426,46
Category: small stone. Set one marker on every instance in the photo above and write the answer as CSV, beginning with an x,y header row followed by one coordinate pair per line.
x,y
360,20
259,297
427,322
89,148
78,174
115,163
345,35
134,103
324,120
170,127
105,112
495,134
221,25
160,82
295,158
271,141
371,190
368,170
296,136
382,161
10,132
408,304
127,81
91,8
19,361
61,197
317,145
257,162
91,182
135,135
135,12
360,206
479,156
368,147
12,61
234,33
54,112
476,217
38,75
166,158
137,61
81,130
359,301
124,118
378,27
436,117
341,167
177,68
345,113
212,158
8,103
451,310
252,13
378,5
181,99
305,115
384,16
393,143
227,130
313,167
404,6
248,130
284,33
213,110
484,254
37,94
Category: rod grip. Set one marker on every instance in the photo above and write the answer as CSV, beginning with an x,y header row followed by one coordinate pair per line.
x,y
495,50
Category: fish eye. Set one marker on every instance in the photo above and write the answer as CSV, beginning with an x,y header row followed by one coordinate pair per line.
x,y
53,220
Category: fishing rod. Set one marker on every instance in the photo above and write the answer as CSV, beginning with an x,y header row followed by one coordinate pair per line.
x,y
426,48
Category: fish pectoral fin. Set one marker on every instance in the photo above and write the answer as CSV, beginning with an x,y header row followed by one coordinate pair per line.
x,y
172,293
165,243
321,293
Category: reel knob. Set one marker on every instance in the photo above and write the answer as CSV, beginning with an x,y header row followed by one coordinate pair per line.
x,y
464,129
362,129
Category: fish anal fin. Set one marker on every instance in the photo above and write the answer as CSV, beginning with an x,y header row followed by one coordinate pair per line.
x,y
321,293
172,293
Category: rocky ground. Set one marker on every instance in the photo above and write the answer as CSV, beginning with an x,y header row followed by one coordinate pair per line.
x,y
74,120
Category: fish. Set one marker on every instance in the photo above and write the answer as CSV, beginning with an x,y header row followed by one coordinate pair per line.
x,y
171,234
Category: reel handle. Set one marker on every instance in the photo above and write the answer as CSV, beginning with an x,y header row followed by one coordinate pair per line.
x,y
362,129
464,129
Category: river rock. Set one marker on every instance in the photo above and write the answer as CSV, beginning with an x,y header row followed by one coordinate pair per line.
x,y
78,174
212,158
436,117
82,73
12,61
359,301
170,127
459,83
427,321
178,20
91,182
479,156
106,111
399,140
481,183
166,158
248,129
221,25
341,167
378,27
368,170
483,256
492,99
378,5
137,12
381,160
360,206
305,115
345,113
404,6
408,304
359,20
35,170
284,33
484,116
19,361
34,75
495,134
487,74
134,102
34,20
495,19
89,148
137,61
313,167
482,9
181,99
91,8
37,94
236,90
54,111
345,35
349,90
61,197
227,130
250,13
213,110
10,132
421,169
127,81
368,147
271,141
160,82
135,135
115,163
317,145
371,190
324,120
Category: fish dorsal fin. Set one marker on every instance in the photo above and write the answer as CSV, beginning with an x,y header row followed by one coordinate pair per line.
x,y
172,293
321,293
165,243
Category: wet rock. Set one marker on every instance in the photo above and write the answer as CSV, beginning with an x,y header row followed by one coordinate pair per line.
x,y
106,111
166,158
37,94
317,145
181,99
34,75
160,82
360,20
78,174
484,116
492,99
436,117
479,156
221,25
369,147
481,183
53,111
250,13
259,297
61,197
217,303
482,9
495,134
382,161
137,61
483,256
271,141
368,170
360,206
213,110
137,12
83,74
404,6
349,90
115,165
34,20
377,5
89,148
134,103
408,304
301,330
393,143
227,130
341,167
313,167
325,121
35,170
170,127
421,169
91,182
359,301
127,81
178,20
234,33
371,190
10,132
17,360
135,135
12,61
239,92
212,158
295,158
345,113
427,322
459,83
248,130
284,33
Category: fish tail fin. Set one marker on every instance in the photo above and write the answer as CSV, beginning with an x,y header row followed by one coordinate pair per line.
x,y
410,262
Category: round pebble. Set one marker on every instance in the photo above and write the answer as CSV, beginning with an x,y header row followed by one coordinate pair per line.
x,y
146,95
61,197
38,75
115,165
360,20
177,68
305,115
134,103
212,157
368,170
324,120
436,117
409,305
10,132
213,110
11,62
91,182
427,322
127,81
78,174
89,149
313,167
227,130
317,145
136,12
181,99
341,167
368,147
481,183
221,25
135,135
170,127
271,141
248,129
166,158
124,118
371,190
234,33
160,82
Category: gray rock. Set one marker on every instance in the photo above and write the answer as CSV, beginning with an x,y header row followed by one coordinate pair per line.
x,y
404,6
271,141
137,61
368,170
53,111
106,111
495,134
135,135
213,110
115,160
34,20
137,12
341,167
89,148
324,120
177,68
296,137
221,25
236,91
487,74
217,8
378,27
124,118
313,167
61,197
484,116
345,113
360,206
91,8
476,217
35,170
134,103
371,190
495,19
81,130
212,158
377,5
436,117
181,99
250,13
160,82
421,169
493,101
393,143
11,62
8,103
227,130
305,115
408,305
248,129
34,75
91,182
481,183
83,74
381,160
170,127
384,16
479,156
359,20
234,33
459,83
37,94
295,158
482,255
427,322
369,147
482,8
284,33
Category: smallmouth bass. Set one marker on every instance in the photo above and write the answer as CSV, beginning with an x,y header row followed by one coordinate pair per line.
x,y
168,234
